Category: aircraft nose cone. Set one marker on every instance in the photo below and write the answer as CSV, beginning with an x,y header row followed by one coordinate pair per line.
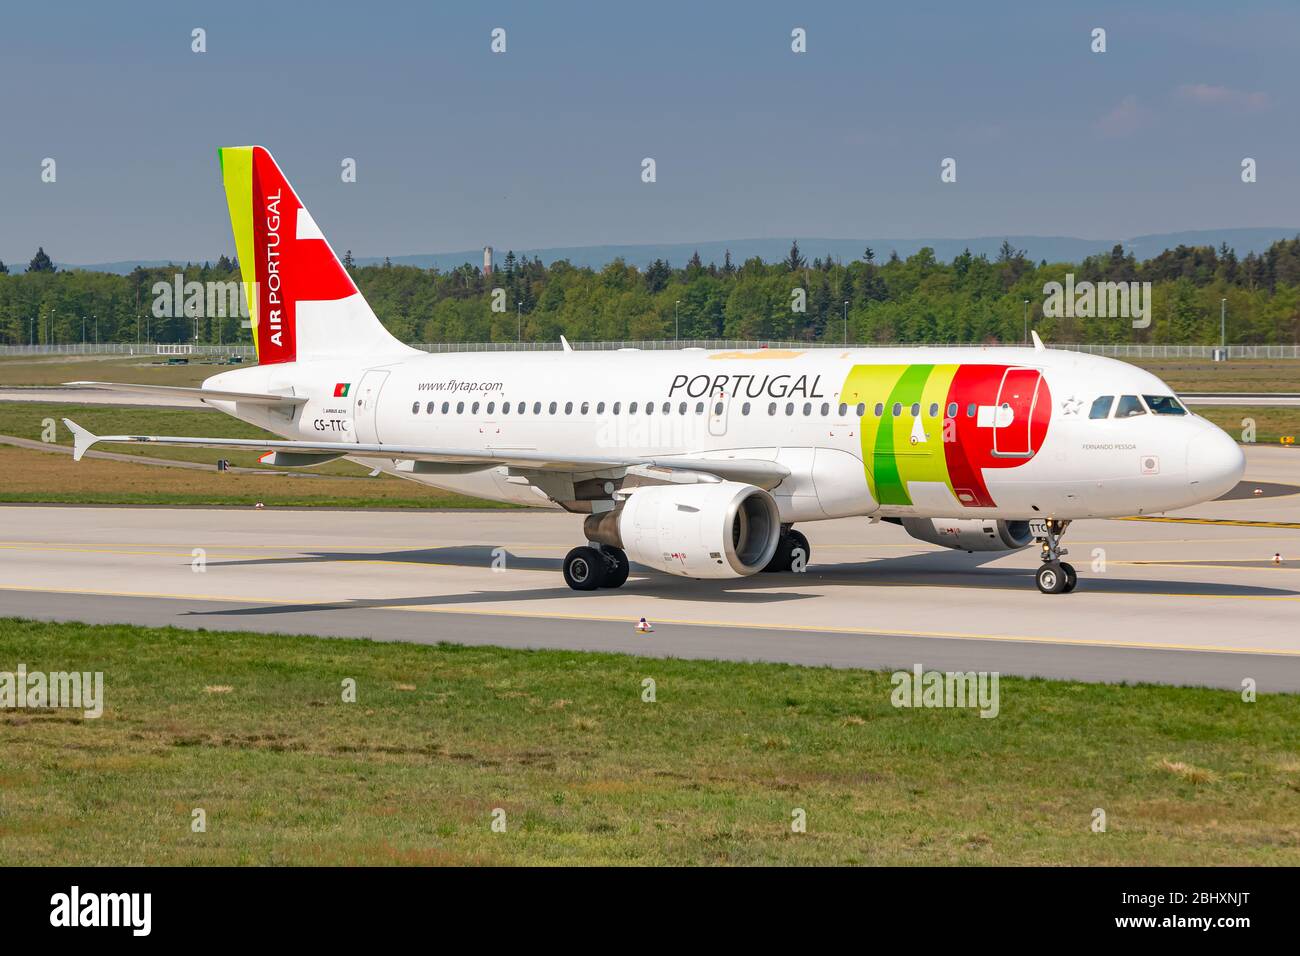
x,y
1215,463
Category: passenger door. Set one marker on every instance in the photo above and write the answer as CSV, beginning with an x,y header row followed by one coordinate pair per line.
x,y
1014,412
366,407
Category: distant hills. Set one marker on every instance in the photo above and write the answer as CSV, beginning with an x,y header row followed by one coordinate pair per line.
x,y
1051,248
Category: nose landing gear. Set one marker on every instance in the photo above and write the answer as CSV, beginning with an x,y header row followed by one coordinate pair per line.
x,y
1055,576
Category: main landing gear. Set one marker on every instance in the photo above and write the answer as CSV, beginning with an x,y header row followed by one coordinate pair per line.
x,y
792,552
592,567
1055,576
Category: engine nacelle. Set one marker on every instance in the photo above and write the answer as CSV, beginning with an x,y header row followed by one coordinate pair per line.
x,y
971,534
721,529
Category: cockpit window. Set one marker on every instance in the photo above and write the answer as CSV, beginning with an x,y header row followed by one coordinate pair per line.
x,y
1101,407
1164,405
1129,405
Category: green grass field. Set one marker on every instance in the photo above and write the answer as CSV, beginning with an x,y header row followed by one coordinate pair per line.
x,y
143,369
253,730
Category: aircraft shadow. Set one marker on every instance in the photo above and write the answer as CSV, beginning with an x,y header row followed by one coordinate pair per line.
x,y
928,569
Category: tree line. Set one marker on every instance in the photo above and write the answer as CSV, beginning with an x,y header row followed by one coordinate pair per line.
x,y
917,299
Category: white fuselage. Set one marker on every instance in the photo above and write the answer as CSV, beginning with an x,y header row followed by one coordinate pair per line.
x,y
790,407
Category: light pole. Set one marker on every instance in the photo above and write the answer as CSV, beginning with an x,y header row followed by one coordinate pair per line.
x,y
1223,326
519,321
1026,321
677,321
846,321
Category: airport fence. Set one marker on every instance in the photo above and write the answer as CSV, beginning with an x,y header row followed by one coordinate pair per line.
x,y
248,354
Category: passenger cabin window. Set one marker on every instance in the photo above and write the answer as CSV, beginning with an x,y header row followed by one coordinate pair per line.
x,y
880,409
717,408
1164,405
537,408
551,408
445,406
970,410
474,409
916,409
1129,406
898,409
460,408
771,408
415,409
934,409
631,408
744,409
862,409
699,408
491,406
1101,407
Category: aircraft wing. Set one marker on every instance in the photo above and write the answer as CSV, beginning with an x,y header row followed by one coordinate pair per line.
x,y
755,471
193,394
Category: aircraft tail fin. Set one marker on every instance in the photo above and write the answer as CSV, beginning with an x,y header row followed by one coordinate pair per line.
x,y
302,302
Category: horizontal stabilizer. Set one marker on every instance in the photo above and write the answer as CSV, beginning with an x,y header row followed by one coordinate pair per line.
x,y
192,394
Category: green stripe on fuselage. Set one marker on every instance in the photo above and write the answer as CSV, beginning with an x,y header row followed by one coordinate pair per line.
x,y
893,445
867,385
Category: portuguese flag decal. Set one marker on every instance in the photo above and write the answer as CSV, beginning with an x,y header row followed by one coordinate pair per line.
x,y
341,389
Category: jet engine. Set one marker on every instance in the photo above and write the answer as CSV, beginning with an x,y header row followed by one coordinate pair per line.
x,y
970,534
721,529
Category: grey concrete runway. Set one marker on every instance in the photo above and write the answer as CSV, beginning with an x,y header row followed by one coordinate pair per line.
x,y
1194,598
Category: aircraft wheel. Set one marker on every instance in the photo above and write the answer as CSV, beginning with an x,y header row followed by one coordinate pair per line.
x,y
782,556
1051,578
584,569
799,543
616,568
1071,577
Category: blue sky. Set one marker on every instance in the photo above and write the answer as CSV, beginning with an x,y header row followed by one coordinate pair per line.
x,y
541,146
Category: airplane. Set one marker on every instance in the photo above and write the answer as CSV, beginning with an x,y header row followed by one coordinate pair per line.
x,y
691,462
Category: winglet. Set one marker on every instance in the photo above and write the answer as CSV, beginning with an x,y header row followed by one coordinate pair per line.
x,y
82,439
1038,343
565,343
